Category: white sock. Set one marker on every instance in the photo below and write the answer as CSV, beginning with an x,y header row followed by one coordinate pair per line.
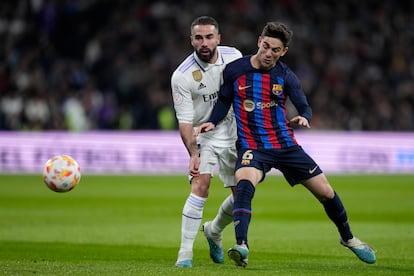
x,y
191,220
224,216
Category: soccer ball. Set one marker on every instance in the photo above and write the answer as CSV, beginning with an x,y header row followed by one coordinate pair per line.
x,y
61,173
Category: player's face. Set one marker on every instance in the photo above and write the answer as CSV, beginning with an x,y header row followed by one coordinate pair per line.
x,y
205,39
269,52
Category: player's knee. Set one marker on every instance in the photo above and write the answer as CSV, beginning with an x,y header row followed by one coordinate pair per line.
x,y
325,193
200,187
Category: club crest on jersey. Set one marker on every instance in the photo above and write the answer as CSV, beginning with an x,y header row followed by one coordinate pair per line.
x,y
197,76
277,89
245,162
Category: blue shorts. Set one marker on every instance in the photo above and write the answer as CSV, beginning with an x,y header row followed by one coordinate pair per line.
x,y
295,164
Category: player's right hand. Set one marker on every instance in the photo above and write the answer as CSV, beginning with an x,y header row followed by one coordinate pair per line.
x,y
204,127
194,165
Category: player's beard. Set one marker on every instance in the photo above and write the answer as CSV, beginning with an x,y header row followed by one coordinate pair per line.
x,y
206,58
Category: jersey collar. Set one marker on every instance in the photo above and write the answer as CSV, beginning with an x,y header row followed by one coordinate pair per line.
x,y
206,66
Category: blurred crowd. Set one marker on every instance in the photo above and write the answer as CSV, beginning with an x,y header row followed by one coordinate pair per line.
x,y
106,65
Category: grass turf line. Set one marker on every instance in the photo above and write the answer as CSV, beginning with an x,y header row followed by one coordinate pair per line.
x,y
130,225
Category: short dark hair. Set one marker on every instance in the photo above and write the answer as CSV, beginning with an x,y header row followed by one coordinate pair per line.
x,y
278,30
205,20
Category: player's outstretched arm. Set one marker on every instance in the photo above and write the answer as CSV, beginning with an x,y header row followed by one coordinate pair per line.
x,y
204,127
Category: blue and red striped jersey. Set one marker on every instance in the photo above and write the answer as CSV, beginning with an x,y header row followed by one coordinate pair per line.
x,y
259,103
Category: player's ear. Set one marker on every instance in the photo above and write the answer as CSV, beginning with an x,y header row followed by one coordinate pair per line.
x,y
218,38
285,50
191,40
259,41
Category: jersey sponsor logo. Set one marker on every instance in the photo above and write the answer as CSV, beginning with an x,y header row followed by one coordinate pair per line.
x,y
210,97
243,87
248,105
201,86
197,75
261,105
311,171
277,89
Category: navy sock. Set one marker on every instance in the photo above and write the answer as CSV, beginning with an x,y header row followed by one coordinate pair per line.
x,y
242,210
337,213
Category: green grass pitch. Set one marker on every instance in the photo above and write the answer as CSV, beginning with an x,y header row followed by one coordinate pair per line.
x,y
130,225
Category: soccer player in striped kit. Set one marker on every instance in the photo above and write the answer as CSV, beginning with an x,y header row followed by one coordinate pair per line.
x,y
258,86
195,85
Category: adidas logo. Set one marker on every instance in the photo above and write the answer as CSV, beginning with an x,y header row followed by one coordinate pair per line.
x,y
201,86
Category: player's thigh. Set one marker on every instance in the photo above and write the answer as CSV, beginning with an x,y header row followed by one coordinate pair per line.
x,y
208,159
227,158
254,175
252,165
296,165
319,187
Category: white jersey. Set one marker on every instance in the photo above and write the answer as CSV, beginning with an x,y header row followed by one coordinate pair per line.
x,y
195,86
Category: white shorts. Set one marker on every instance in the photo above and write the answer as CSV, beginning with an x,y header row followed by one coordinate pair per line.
x,y
223,159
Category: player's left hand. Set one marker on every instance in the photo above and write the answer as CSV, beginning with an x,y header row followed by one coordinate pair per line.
x,y
204,127
301,121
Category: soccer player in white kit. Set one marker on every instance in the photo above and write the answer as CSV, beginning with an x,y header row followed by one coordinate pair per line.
x,y
195,85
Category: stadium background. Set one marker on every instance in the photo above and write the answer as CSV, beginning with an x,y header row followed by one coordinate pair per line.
x,y
81,65
104,67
